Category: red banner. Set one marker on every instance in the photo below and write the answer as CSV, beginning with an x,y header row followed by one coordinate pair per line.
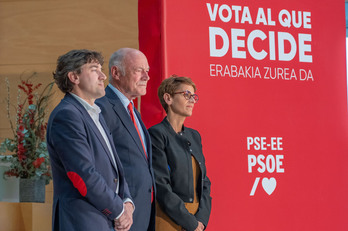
x,y
272,113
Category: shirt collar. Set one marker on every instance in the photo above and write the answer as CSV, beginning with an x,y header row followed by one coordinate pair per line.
x,y
91,109
124,100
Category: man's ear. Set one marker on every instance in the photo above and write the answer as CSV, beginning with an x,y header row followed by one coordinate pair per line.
x,y
115,72
168,98
73,77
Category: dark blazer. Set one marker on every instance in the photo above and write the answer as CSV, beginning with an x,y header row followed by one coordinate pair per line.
x,y
173,172
138,169
84,174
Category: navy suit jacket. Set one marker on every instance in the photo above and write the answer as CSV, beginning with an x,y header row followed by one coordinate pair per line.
x,y
138,169
84,174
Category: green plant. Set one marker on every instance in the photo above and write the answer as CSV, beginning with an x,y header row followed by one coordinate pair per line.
x,y
29,156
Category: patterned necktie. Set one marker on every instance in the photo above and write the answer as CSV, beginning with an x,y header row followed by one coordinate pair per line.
x,y
131,113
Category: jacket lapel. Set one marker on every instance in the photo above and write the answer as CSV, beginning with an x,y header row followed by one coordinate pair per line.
x,y
92,125
125,118
108,134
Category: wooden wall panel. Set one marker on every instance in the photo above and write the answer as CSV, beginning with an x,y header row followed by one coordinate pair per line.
x,y
25,216
34,33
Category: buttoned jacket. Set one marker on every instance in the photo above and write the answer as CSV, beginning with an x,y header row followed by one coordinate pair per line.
x,y
174,177
84,173
138,168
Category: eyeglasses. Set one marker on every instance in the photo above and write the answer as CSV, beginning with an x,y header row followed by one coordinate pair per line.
x,y
188,95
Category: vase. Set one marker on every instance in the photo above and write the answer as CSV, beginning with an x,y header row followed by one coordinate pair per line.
x,y
32,190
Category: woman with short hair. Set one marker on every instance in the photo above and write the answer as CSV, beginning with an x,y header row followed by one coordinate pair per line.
x,y
183,188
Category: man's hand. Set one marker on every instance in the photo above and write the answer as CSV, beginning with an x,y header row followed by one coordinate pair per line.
x,y
126,220
200,226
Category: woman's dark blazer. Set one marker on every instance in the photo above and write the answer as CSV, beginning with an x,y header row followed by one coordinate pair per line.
x,y
172,165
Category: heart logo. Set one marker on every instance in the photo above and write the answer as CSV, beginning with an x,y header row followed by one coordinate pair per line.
x,y
269,185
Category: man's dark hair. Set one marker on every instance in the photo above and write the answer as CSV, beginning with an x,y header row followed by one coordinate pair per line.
x,y
72,62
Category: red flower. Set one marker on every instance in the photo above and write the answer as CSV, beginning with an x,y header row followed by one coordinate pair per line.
x,y
21,148
11,172
38,162
21,152
43,129
29,133
20,133
46,174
